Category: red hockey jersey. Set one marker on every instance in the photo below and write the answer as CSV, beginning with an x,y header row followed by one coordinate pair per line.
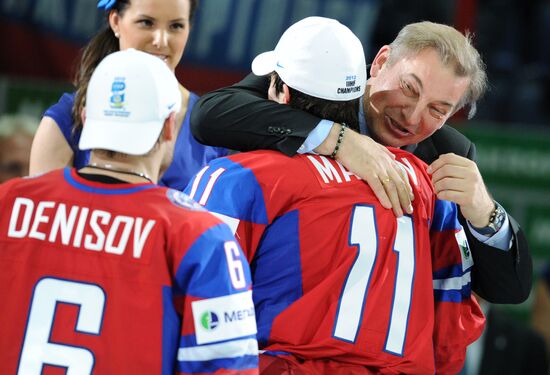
x,y
336,276
119,279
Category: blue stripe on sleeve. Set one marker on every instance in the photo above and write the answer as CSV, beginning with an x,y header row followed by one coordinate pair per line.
x,y
448,272
275,353
203,271
171,326
236,192
245,361
241,363
445,216
452,284
277,272
453,295
190,340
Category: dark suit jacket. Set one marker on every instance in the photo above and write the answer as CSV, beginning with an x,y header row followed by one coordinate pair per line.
x,y
511,348
239,117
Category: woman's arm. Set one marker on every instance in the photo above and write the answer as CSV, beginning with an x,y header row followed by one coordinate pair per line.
x,y
49,148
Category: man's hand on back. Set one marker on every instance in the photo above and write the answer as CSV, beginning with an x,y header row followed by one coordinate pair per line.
x,y
374,164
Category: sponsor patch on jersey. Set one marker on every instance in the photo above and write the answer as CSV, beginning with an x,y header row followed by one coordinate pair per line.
x,y
465,253
183,200
224,318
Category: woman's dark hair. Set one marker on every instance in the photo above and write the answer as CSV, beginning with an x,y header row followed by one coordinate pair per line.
x,y
102,44
337,111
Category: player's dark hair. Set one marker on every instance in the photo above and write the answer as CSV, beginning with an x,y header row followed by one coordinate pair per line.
x,y
102,44
337,111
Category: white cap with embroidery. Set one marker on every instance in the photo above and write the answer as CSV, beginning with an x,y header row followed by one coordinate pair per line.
x,y
129,96
319,57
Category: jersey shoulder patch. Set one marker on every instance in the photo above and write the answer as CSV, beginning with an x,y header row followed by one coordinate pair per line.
x,y
180,199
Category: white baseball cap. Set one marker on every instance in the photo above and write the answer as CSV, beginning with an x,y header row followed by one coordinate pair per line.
x,y
129,96
319,57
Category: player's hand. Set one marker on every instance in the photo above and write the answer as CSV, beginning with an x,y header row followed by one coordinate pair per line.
x,y
377,166
457,179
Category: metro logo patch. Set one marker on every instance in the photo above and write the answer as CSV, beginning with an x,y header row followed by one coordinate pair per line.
x,y
209,320
224,318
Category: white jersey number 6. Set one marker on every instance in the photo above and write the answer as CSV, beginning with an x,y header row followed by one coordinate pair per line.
x,y
37,350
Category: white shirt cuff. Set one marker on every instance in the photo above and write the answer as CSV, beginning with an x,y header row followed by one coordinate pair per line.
x,y
501,240
316,137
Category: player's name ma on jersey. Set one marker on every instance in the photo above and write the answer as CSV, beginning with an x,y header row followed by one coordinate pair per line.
x,y
327,173
79,227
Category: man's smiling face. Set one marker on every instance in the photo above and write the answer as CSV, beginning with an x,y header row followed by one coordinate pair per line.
x,y
411,99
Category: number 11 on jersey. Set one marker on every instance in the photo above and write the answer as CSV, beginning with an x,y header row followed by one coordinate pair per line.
x,y
349,315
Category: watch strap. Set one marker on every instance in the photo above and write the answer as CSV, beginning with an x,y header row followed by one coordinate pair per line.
x,y
496,220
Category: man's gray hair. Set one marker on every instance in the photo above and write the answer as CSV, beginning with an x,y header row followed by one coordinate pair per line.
x,y
453,47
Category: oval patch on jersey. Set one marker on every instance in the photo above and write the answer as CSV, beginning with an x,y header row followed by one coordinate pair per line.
x,y
183,200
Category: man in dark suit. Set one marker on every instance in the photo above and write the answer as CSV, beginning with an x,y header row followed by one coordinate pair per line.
x,y
416,83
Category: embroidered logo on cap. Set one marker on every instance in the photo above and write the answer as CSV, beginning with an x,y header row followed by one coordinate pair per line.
x,y
117,101
117,93
350,86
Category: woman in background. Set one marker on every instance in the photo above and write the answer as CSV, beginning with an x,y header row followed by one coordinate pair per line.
x,y
158,27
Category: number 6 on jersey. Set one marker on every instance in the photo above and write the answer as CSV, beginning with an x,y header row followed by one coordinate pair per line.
x,y
37,350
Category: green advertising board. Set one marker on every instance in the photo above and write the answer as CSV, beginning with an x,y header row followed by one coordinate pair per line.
x,y
515,164
29,97
513,157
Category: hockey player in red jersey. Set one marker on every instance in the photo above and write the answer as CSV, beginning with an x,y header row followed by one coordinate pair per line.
x,y
105,272
341,286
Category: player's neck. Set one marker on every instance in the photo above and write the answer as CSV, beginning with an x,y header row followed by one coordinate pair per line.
x,y
132,171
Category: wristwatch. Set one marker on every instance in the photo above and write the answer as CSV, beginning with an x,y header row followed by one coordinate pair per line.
x,y
495,221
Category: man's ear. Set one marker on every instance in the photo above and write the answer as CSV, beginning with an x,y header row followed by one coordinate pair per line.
x,y
271,92
379,61
286,94
83,115
281,97
169,127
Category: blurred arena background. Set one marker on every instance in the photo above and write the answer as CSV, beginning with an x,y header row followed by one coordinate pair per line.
x,y
40,41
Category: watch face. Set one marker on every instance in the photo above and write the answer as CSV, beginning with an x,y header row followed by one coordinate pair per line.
x,y
498,218
495,221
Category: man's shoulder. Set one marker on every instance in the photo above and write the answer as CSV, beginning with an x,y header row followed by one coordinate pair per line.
x,y
443,141
263,160
449,134
254,81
